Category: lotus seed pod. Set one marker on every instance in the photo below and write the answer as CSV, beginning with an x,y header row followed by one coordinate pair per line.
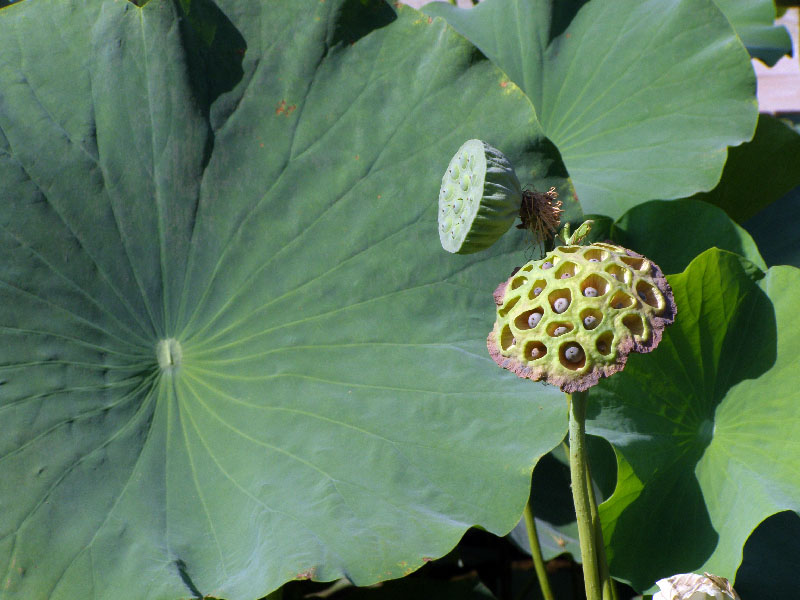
x,y
479,198
614,302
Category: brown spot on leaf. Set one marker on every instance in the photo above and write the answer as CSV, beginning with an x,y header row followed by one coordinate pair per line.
x,y
307,574
284,109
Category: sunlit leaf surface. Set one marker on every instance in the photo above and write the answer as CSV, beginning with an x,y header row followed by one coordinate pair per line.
x,y
232,351
641,98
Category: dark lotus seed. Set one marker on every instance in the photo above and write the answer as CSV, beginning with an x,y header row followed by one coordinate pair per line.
x,y
589,320
602,347
573,354
560,330
534,319
590,292
547,265
566,275
642,295
618,305
560,305
537,290
535,352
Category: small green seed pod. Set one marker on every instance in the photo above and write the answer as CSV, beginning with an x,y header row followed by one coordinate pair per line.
x,y
479,198
571,331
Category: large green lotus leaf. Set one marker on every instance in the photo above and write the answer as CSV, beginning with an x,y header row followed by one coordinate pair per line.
x,y
759,172
641,98
705,426
672,233
753,21
233,352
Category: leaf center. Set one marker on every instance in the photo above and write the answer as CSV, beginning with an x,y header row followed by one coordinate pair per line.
x,y
169,353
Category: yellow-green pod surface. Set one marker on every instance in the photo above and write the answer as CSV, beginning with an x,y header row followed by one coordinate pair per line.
x,y
479,198
575,315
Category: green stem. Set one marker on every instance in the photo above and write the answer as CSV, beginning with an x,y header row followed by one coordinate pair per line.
x,y
580,494
536,553
606,582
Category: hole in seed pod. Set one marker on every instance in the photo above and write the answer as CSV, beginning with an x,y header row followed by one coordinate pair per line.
x,y
568,249
619,273
621,300
594,285
465,181
528,319
572,356
535,350
591,318
565,270
455,172
537,288
636,263
557,329
548,264
606,246
595,255
527,267
518,282
464,161
506,338
604,343
634,323
508,306
648,293
560,300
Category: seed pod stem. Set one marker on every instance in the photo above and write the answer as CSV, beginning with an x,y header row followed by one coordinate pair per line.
x,y
587,532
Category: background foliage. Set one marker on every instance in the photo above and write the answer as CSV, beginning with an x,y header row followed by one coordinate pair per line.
x,y
258,182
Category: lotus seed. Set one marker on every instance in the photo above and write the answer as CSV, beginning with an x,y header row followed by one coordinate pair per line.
x,y
537,290
513,341
534,319
618,305
602,347
560,305
464,161
566,275
458,205
573,354
560,330
589,321
547,265
455,172
590,292
535,352
594,260
642,295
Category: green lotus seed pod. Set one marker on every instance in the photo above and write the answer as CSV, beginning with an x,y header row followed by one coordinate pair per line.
x,y
479,198
571,331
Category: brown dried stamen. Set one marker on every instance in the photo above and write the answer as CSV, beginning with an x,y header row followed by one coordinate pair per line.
x,y
540,214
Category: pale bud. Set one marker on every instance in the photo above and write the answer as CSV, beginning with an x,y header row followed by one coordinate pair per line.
x,y
690,586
